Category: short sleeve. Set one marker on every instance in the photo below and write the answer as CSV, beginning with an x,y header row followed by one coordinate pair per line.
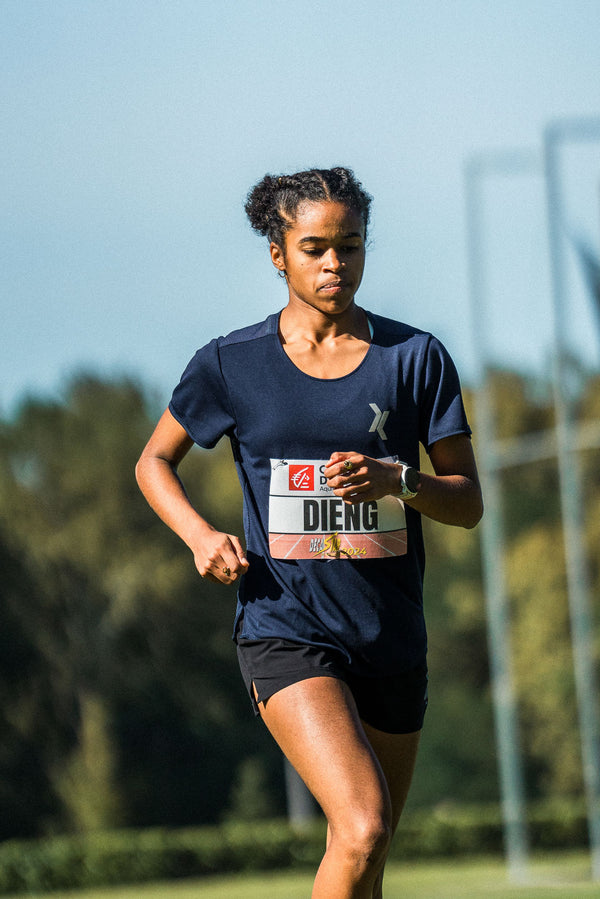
x,y
441,408
200,402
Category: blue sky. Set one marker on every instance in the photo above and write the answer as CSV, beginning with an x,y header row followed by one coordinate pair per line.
x,y
133,130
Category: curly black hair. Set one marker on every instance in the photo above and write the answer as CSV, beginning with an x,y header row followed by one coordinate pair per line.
x,y
272,204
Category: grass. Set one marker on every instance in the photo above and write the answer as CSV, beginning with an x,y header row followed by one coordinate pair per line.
x,y
557,876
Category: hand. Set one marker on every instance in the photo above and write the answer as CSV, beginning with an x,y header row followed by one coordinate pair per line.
x,y
220,558
358,479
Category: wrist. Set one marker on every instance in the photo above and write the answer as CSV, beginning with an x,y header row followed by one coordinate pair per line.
x,y
409,481
199,530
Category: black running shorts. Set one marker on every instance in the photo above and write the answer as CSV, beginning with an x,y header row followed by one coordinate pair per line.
x,y
393,704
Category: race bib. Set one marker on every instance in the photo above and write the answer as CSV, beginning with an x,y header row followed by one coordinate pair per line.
x,y
307,520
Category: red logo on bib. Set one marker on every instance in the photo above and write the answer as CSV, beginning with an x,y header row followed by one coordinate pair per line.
x,y
302,477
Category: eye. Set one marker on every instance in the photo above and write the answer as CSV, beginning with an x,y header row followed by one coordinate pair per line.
x,y
312,251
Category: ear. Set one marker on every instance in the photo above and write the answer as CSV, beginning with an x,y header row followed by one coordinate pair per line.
x,y
277,256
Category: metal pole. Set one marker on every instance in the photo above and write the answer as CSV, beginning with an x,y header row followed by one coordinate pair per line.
x,y
571,491
492,537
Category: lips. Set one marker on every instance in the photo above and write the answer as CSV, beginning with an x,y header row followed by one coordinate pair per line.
x,y
334,285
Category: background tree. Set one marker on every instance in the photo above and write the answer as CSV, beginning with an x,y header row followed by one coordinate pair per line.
x,y
148,643
38,695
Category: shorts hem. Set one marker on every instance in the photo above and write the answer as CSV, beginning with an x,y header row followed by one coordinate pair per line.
x,y
264,693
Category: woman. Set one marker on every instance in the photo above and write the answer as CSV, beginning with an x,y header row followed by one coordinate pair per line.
x,y
325,406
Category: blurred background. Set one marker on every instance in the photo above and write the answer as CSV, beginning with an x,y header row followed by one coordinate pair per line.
x,y
132,132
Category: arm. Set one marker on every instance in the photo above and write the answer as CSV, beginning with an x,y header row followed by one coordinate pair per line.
x,y
451,496
156,473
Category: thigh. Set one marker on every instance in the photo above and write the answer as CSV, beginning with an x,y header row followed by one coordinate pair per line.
x,y
397,755
317,726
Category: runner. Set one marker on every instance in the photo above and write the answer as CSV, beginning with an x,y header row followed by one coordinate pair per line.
x,y
326,406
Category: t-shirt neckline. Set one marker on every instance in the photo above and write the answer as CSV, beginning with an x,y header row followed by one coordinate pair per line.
x,y
274,328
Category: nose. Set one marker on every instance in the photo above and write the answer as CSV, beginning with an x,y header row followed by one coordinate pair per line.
x,y
331,261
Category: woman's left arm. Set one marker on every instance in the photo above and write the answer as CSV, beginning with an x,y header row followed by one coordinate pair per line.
x,y
451,496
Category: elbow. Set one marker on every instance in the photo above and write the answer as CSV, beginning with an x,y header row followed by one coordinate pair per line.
x,y
148,470
140,471
475,514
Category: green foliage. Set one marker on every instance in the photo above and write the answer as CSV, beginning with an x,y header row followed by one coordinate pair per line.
x,y
38,711
250,798
141,856
86,781
138,684
543,660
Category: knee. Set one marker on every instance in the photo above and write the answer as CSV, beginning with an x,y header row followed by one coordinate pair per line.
x,y
366,841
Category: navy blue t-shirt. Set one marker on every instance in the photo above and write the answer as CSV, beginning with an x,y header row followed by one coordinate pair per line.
x,y
321,571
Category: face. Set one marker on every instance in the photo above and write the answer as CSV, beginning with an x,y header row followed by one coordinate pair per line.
x,y
323,257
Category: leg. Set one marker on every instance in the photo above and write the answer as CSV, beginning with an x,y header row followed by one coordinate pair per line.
x,y
317,726
397,754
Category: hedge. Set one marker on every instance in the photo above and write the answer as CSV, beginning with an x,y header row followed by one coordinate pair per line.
x,y
125,857
470,830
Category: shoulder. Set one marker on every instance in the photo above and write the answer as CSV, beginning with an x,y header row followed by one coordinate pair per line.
x,y
389,332
210,356
211,360
417,352
249,333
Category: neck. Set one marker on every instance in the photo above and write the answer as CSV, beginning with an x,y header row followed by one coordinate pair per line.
x,y
317,326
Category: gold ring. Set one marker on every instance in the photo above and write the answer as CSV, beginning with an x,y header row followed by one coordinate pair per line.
x,y
227,571
348,465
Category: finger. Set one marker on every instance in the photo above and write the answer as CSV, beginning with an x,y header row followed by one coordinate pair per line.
x,y
358,476
352,467
225,572
336,460
221,573
220,563
341,473
239,551
233,561
354,493
213,572
337,457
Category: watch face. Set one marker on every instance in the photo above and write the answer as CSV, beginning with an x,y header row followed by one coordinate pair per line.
x,y
411,478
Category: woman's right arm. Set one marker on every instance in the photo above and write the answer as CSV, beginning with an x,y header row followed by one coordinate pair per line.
x,y
156,474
